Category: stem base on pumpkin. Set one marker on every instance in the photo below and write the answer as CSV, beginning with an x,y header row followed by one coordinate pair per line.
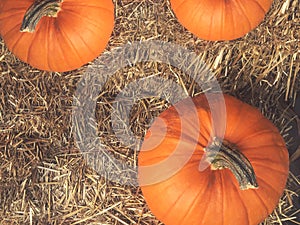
x,y
37,10
221,154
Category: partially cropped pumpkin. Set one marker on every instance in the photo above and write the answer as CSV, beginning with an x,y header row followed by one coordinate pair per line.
x,y
56,35
246,168
221,19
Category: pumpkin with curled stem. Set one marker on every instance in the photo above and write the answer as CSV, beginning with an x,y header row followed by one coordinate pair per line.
x,y
231,177
56,35
220,19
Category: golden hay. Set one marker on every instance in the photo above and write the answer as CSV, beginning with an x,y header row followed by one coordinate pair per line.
x,y
44,178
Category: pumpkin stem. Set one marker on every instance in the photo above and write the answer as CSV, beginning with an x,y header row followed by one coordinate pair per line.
x,y
221,154
37,10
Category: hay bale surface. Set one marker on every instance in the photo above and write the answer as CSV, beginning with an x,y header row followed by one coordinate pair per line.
x,y
45,178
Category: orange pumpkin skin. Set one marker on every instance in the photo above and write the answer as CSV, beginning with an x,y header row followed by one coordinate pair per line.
x,y
75,36
220,19
213,197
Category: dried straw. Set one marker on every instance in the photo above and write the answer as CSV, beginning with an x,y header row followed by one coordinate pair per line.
x,y
44,178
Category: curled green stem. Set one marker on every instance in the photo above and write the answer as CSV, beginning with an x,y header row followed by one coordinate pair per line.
x,y
37,10
221,154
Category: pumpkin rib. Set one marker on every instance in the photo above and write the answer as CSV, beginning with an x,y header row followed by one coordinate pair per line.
x,y
261,146
240,117
179,6
175,202
206,197
93,3
72,13
235,27
57,36
262,201
229,17
211,19
200,144
207,134
88,20
260,180
26,57
190,210
9,35
194,17
251,151
269,167
260,6
222,18
242,9
6,15
205,138
41,38
160,159
193,162
92,52
47,42
163,157
70,44
222,28
195,199
10,13
222,187
235,189
198,195
242,202
54,43
256,160
188,138
31,45
90,6
62,36
254,163
218,187
258,133
240,123
247,149
196,161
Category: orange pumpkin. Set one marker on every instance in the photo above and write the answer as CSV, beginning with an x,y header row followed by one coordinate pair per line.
x,y
56,35
245,173
221,19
